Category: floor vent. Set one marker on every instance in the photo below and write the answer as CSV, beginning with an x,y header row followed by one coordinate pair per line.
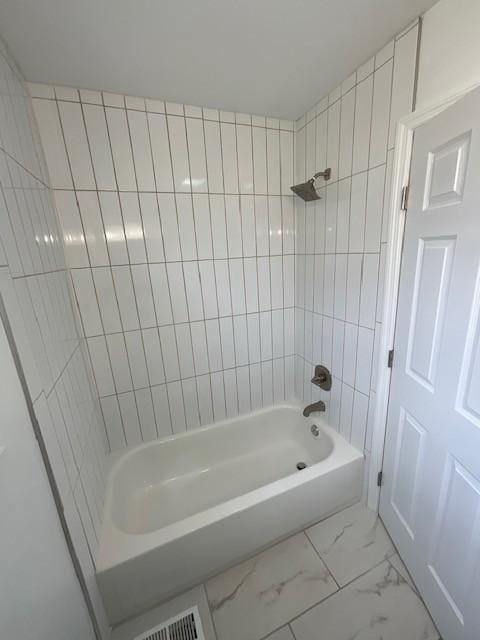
x,y
186,626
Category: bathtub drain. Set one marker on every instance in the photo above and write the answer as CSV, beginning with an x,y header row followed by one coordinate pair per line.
x,y
301,466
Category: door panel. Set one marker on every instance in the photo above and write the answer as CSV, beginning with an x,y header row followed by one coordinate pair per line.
x,y
430,501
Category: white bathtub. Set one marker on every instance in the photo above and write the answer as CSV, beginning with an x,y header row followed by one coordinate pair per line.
x,y
179,510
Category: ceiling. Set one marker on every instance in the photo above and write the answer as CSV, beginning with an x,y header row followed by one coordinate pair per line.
x,y
275,57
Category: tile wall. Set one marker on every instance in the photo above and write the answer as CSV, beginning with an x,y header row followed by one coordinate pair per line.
x,y
178,225
35,289
341,239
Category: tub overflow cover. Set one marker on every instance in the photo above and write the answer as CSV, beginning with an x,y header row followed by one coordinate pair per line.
x,y
301,465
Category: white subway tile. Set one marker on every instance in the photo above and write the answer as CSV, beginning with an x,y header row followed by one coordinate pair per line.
x,y
357,213
213,152
227,342
157,124
87,302
273,162
136,359
193,291
205,405
368,299
247,209
243,387
113,225
267,384
253,329
333,139
113,423
177,292
142,156
382,87
340,294
234,226
143,295
354,274
179,152
93,227
201,212
107,300
153,354
229,157
286,161
101,365
262,228
346,408
237,286
169,352
168,218
209,288
219,228
346,134
119,362
121,149
373,218
122,279
363,114
146,414
77,146
161,293
364,360
222,279
97,133
212,330
240,339
245,161
162,410
255,386
231,397
266,335
72,230
218,396
196,153
185,350
263,271
133,227
186,226
177,408
131,424
259,136
199,346
350,354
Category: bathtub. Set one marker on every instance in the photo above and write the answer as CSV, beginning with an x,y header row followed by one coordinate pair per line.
x,y
181,509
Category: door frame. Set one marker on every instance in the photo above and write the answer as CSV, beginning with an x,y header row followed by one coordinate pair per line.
x,y
400,177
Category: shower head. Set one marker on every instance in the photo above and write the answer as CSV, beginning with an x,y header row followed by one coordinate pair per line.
x,y
306,190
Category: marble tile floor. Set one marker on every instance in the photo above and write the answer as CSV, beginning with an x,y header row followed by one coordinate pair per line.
x,y
341,579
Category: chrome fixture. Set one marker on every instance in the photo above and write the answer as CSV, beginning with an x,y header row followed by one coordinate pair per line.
x,y
315,430
316,406
322,377
307,190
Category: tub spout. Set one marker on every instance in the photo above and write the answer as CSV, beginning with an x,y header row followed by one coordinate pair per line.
x,y
316,406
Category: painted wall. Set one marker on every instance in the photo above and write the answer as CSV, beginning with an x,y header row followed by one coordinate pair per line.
x,y
35,288
341,239
179,232
449,50
37,572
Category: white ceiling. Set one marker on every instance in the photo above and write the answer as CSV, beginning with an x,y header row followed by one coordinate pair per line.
x,y
275,57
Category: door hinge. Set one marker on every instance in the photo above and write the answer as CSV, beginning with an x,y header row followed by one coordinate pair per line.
x,y
391,354
404,199
379,478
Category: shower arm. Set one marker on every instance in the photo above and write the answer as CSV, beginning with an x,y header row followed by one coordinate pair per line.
x,y
326,174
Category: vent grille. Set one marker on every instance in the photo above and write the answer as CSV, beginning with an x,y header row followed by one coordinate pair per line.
x,y
185,626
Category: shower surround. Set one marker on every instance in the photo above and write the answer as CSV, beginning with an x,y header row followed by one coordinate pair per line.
x,y
179,233
341,240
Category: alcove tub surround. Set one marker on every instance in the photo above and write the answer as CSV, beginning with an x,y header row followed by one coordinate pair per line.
x,y
341,240
179,232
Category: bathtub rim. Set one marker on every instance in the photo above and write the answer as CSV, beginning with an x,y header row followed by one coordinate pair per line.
x,y
117,547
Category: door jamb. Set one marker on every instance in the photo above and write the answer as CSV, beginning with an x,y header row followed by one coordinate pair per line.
x,y
400,176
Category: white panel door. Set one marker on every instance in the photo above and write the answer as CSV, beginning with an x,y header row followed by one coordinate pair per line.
x,y
430,501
